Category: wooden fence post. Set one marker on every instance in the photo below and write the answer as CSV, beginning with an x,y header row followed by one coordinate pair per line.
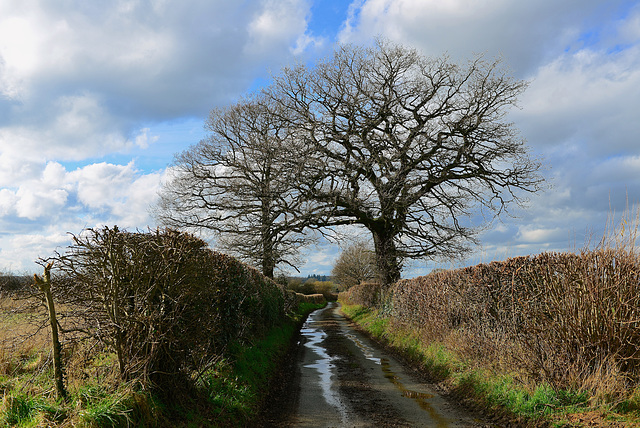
x,y
44,284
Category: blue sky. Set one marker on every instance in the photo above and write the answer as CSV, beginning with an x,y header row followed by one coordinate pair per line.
x,y
97,97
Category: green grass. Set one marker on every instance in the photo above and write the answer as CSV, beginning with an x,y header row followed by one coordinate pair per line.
x,y
23,411
236,385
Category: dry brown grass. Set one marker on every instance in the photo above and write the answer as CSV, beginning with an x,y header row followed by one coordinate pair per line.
x,y
21,336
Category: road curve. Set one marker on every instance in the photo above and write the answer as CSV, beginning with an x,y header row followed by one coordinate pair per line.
x,y
342,379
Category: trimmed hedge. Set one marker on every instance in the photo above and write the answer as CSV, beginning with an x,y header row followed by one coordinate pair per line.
x,y
556,314
163,300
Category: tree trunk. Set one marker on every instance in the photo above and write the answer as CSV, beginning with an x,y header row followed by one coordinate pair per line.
x,y
268,257
387,262
268,266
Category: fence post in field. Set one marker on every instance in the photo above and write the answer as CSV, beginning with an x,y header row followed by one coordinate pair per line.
x,y
44,284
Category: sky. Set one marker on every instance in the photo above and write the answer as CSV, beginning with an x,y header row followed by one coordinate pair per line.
x,y
97,97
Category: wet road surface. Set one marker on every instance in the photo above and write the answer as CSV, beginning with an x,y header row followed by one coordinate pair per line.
x,y
342,379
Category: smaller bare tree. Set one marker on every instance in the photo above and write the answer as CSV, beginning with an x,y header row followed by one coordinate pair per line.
x,y
356,264
239,184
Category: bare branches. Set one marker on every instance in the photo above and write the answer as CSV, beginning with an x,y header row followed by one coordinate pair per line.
x,y
356,264
238,183
147,296
406,146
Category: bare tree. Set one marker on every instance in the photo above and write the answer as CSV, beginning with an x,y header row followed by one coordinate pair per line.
x,y
238,184
406,146
356,264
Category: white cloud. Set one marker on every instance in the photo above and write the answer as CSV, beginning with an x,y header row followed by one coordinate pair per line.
x,y
14,168
120,192
320,259
143,139
19,42
531,234
8,201
523,32
591,97
19,252
56,201
102,184
34,203
277,24
78,79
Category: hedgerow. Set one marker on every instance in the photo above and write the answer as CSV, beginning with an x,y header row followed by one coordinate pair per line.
x,y
162,300
567,320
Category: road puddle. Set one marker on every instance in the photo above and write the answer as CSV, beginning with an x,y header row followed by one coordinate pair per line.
x,y
366,350
314,335
419,397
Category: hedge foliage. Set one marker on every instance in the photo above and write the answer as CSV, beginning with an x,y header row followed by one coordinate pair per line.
x,y
554,314
166,303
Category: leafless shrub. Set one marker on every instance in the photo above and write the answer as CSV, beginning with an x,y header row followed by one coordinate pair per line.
x,y
162,300
145,295
571,320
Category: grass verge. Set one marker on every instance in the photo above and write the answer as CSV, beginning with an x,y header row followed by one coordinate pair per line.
x,y
496,393
228,394
235,387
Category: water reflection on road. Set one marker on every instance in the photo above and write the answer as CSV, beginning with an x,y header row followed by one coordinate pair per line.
x,y
345,380
313,336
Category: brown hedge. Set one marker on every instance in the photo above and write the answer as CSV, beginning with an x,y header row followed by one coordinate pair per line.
x,y
165,302
552,312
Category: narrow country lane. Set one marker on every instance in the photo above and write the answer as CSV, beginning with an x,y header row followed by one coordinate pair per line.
x,y
342,379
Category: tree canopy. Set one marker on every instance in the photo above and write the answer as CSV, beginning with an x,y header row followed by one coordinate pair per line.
x,y
356,264
238,183
406,146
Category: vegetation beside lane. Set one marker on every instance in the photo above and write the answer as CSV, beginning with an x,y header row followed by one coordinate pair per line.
x,y
157,330
234,389
506,394
228,394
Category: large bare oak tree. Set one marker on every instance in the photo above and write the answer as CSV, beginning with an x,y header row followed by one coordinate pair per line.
x,y
406,146
238,183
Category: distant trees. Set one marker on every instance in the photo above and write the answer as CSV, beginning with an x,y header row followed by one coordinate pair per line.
x,y
356,264
407,147
239,184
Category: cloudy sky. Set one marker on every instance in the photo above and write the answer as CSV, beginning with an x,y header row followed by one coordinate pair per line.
x,y
97,97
